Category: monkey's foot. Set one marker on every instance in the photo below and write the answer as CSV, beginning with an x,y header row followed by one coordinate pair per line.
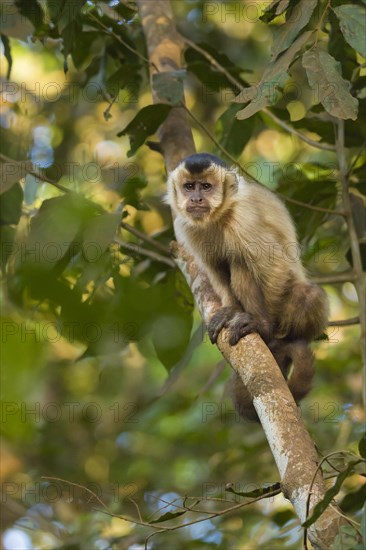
x,y
239,323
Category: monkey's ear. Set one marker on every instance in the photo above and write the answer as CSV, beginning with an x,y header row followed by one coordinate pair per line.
x,y
231,181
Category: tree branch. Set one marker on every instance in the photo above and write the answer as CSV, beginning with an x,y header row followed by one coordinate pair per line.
x,y
164,249
144,252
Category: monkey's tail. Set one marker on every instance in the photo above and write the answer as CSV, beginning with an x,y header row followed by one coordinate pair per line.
x,y
241,398
300,355
299,382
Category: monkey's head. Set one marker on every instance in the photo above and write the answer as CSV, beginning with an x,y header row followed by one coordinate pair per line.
x,y
200,188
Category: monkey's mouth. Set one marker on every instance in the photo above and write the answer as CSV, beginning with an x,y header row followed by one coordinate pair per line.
x,y
198,211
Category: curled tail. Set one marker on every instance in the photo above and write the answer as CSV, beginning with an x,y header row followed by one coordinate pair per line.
x,y
299,382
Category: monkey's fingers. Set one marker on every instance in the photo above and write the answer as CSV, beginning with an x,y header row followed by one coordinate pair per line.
x,y
241,325
220,320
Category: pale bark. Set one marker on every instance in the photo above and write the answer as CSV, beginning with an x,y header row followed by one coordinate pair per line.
x,y
290,443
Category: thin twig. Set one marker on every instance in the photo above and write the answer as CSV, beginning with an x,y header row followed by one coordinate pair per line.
x,y
37,175
345,322
146,238
343,277
217,514
77,485
163,529
166,505
54,183
311,206
137,508
303,137
144,252
352,521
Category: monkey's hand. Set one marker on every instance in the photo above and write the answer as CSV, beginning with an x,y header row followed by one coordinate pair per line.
x,y
239,323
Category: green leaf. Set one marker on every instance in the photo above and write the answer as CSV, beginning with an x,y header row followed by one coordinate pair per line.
x,y
127,76
340,49
362,446
125,11
274,76
352,21
11,205
31,10
172,328
234,134
169,86
70,12
332,90
170,515
256,493
346,539
331,493
282,516
12,172
85,48
53,230
312,184
100,232
7,235
354,501
210,78
70,36
7,53
130,191
275,8
208,74
54,9
286,33
145,123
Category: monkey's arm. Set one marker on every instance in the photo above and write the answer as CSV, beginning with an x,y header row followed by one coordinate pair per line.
x,y
233,314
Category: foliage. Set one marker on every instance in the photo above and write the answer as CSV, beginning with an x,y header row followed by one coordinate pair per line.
x,y
105,377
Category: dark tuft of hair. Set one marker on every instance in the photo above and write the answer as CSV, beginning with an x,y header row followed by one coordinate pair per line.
x,y
199,162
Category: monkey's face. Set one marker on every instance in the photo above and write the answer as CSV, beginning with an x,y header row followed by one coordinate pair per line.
x,y
197,196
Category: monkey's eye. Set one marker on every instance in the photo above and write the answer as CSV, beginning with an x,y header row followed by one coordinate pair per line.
x,y
206,186
189,186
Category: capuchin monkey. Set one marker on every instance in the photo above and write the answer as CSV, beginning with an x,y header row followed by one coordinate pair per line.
x,y
242,236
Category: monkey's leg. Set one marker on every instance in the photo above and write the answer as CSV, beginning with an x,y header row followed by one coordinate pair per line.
x,y
304,313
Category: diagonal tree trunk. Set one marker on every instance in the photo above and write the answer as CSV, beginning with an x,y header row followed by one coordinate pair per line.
x,y
290,443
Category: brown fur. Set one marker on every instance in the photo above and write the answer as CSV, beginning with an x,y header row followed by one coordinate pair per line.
x,y
246,242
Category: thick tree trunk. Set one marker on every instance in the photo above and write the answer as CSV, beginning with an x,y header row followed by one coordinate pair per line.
x,y
291,445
